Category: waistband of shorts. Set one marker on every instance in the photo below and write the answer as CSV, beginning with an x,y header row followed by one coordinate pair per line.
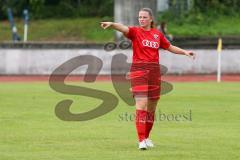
x,y
139,62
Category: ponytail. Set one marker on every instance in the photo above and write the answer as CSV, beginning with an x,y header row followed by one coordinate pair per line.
x,y
153,24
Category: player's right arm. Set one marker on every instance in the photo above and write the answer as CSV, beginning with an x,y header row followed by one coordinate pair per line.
x,y
117,26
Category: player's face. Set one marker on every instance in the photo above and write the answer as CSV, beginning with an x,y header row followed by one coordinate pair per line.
x,y
144,19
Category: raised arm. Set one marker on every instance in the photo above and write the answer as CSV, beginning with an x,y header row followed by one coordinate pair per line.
x,y
117,26
177,50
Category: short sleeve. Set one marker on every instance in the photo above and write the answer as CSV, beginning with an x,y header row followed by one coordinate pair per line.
x,y
164,43
131,33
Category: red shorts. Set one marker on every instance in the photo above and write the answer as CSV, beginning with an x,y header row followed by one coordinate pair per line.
x,y
145,80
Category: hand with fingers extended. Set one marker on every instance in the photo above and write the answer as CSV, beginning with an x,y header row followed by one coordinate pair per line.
x,y
190,54
116,26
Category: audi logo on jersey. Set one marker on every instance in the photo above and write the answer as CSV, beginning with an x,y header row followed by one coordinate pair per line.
x,y
151,44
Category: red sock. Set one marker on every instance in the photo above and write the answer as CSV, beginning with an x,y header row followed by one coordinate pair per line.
x,y
149,123
140,120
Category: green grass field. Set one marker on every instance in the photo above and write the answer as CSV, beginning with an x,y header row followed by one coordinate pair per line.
x,y
30,130
89,30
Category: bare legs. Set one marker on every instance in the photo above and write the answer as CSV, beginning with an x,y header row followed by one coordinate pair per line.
x,y
146,104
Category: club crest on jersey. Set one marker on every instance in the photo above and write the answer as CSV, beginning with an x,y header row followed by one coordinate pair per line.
x,y
155,36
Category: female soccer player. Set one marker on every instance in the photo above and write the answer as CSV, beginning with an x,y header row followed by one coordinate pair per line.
x,y
145,70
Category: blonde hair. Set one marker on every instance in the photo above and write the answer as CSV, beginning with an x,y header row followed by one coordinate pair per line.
x,y
150,12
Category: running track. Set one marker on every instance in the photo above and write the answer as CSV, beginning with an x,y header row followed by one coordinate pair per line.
x,y
169,78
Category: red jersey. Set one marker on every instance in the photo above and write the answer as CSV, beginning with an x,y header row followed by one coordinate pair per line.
x,y
146,44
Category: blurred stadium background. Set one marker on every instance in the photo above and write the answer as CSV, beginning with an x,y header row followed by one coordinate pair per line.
x,y
58,30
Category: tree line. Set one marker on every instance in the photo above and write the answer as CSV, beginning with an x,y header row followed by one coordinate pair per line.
x,y
41,9
199,11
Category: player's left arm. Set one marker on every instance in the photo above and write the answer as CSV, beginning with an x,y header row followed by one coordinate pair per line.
x,y
177,50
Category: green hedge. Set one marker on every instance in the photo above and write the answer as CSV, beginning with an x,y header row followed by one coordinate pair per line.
x,y
202,12
41,9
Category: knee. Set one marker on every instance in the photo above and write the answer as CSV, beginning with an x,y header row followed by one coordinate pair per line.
x,y
151,106
141,103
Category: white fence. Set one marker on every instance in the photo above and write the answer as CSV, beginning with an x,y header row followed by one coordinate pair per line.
x,y
44,61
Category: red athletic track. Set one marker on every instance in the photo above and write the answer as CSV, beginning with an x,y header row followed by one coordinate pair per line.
x,y
169,78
